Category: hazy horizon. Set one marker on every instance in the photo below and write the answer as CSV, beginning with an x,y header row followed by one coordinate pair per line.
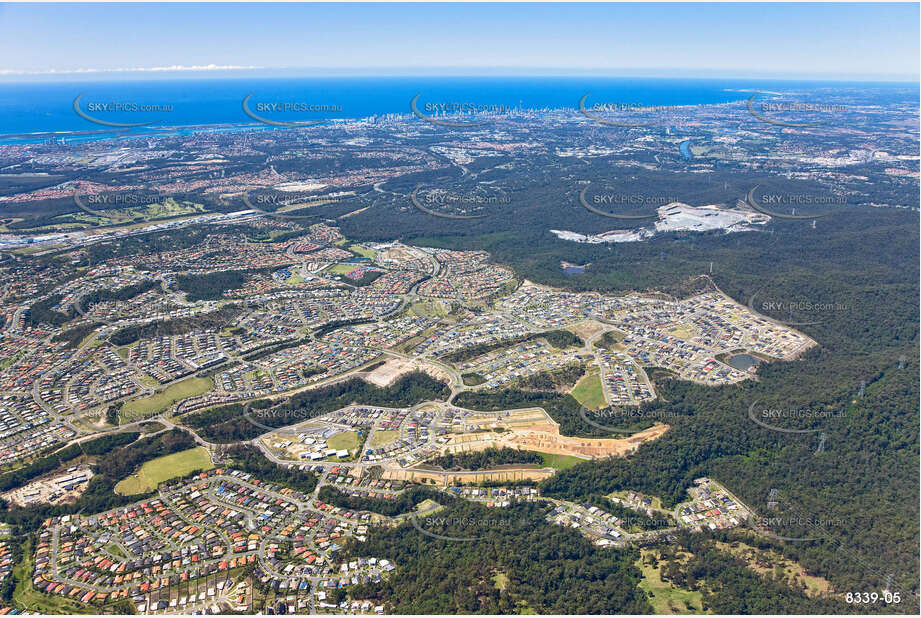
x,y
825,41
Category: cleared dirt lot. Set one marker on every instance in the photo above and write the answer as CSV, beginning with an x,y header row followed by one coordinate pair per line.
x,y
533,430
393,369
587,329
52,489
400,254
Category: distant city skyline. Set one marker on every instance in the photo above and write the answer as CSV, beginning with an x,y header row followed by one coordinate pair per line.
x,y
836,41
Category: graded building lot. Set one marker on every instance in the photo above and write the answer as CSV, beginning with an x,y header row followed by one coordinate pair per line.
x,y
395,368
418,475
390,371
549,440
190,387
149,381
683,331
587,329
398,253
161,469
534,430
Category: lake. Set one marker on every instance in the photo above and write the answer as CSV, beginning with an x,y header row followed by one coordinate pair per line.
x,y
742,362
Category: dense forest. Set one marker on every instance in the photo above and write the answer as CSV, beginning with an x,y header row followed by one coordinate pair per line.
x,y
43,312
516,563
73,336
211,286
121,294
485,459
867,472
250,459
54,460
335,324
404,502
560,380
213,319
271,348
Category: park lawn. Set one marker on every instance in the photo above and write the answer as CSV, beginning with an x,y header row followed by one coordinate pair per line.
x,y
159,402
362,251
345,439
430,309
663,596
559,462
340,269
161,469
382,437
682,331
589,392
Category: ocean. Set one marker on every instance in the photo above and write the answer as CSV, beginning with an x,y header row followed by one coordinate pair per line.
x,y
27,109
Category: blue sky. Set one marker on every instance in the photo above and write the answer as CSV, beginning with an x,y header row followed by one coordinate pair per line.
x,y
847,41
